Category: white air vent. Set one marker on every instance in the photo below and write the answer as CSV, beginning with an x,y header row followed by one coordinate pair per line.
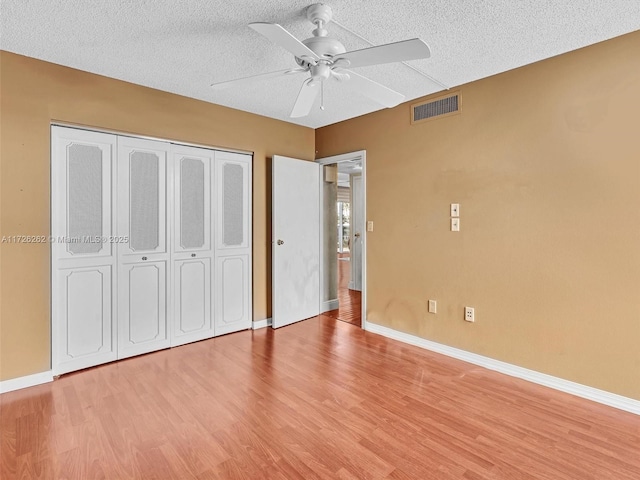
x,y
439,107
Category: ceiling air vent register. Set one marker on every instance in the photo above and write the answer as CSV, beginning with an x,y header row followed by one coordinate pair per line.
x,y
436,108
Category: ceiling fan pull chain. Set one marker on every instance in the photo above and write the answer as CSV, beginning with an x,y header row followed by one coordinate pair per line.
x,y
321,95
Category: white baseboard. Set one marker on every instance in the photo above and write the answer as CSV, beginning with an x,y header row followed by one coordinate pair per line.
x,y
262,323
330,305
27,381
579,390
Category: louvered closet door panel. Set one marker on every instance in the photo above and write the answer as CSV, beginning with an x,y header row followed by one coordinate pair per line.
x,y
192,255
82,169
233,253
82,249
142,197
233,190
143,260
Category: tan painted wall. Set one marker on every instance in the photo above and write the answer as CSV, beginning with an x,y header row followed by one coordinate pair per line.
x,y
545,162
34,93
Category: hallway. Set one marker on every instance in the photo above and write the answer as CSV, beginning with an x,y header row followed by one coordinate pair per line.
x,y
350,309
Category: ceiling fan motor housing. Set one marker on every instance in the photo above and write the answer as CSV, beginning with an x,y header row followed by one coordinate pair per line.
x,y
321,44
325,47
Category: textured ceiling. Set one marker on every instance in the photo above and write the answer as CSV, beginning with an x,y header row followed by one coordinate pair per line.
x,y
182,46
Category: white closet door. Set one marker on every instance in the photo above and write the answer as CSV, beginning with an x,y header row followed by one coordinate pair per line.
x,y
233,249
82,249
143,258
192,256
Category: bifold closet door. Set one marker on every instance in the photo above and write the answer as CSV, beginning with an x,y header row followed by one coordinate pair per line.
x,y
192,255
233,243
82,249
143,260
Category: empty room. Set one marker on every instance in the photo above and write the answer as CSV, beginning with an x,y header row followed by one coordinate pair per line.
x,y
293,240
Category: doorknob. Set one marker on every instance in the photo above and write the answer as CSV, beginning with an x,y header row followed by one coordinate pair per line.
x,y
280,242
357,235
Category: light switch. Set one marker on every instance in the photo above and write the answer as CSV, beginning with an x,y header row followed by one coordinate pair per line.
x,y
455,209
455,224
370,226
433,308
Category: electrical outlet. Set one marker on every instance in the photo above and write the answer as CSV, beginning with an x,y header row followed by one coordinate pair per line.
x,y
469,314
433,306
455,224
370,226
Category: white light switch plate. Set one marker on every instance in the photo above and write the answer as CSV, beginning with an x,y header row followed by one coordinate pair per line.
x,y
433,307
455,209
455,224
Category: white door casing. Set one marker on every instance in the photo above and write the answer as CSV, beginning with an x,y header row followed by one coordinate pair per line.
x,y
360,156
295,240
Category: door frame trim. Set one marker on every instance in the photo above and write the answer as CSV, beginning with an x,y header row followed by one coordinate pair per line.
x,y
344,157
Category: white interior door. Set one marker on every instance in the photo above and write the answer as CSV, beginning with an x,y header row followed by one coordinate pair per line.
x,y
143,259
295,240
357,232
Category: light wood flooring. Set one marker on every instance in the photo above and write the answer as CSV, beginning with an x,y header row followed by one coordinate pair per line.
x,y
320,399
350,301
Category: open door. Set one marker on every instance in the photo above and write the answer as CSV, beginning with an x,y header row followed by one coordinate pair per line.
x,y
295,240
357,232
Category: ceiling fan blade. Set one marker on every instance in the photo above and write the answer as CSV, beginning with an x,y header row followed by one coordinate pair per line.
x,y
254,78
391,52
306,99
278,35
376,92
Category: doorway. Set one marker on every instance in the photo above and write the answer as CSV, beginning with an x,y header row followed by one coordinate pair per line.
x,y
342,234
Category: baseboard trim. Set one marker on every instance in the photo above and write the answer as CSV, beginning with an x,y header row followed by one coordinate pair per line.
x,y
330,305
262,323
567,386
26,381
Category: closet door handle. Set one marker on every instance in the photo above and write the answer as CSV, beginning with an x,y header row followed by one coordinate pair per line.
x,y
144,258
193,255
280,242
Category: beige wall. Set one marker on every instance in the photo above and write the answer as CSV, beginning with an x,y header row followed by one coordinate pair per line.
x,y
35,93
545,162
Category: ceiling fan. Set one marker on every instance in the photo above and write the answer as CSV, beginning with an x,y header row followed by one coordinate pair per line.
x,y
324,57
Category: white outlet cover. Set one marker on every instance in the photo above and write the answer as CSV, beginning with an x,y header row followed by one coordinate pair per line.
x,y
455,224
469,314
